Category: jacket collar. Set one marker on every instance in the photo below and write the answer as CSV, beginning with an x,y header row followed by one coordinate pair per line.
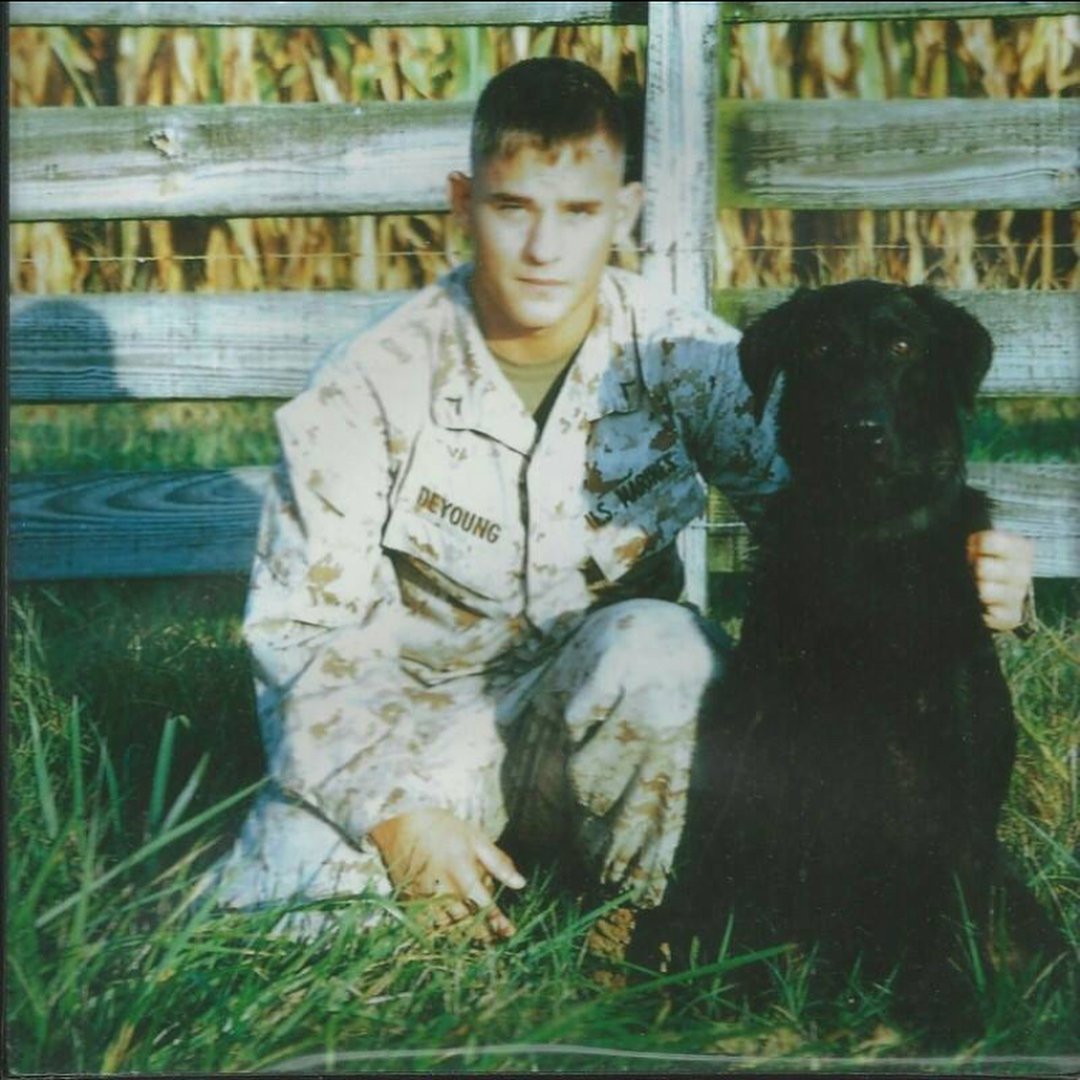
x,y
607,378
471,392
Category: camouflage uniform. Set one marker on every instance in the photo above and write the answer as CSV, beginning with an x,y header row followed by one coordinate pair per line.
x,y
449,611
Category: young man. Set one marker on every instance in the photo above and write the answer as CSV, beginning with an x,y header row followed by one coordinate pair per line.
x,y
463,612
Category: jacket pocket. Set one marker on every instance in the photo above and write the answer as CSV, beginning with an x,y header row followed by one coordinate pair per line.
x,y
455,512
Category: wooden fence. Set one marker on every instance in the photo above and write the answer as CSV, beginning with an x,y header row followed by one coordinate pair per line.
x,y
226,161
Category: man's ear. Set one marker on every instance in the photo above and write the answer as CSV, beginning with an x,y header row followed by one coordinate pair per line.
x,y
768,343
960,341
459,187
628,209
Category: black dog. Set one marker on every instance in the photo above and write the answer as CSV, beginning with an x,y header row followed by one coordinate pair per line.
x,y
854,772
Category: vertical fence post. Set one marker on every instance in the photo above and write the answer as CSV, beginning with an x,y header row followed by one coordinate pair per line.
x,y
680,179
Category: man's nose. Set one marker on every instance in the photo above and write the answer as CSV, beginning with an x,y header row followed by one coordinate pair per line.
x,y
543,241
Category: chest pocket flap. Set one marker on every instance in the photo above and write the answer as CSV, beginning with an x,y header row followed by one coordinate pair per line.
x,y
456,511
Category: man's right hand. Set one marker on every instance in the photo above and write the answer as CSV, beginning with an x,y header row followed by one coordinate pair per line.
x,y
433,853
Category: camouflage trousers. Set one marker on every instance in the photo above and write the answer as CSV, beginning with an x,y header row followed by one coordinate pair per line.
x,y
591,759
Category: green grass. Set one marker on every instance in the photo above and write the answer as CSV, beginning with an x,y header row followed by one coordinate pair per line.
x,y
1025,430
131,720
133,435
212,434
132,740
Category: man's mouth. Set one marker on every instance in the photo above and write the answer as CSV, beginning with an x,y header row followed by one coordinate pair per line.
x,y
546,283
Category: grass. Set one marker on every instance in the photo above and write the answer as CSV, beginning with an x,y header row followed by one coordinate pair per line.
x,y
132,735
132,741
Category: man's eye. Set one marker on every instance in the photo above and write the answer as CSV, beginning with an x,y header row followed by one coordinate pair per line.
x,y
586,210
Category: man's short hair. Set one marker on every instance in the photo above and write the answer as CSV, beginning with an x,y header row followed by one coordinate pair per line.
x,y
544,102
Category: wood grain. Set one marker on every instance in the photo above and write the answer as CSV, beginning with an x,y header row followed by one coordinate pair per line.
x,y
179,346
679,170
135,524
229,160
1041,502
482,12
226,160
1038,501
253,345
955,153
414,13
779,11
159,524
1036,334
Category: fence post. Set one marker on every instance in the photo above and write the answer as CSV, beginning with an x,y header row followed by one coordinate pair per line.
x,y
680,178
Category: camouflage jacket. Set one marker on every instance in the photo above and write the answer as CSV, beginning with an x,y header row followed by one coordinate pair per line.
x,y
419,519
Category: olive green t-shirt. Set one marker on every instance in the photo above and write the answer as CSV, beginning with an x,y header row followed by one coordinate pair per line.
x,y
537,384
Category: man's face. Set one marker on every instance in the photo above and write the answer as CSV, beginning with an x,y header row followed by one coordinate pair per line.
x,y
542,224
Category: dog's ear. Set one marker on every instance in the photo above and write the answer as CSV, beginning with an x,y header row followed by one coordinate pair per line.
x,y
767,343
962,343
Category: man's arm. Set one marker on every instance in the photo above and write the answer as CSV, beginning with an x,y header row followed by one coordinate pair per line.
x,y
739,456
321,622
324,614
695,364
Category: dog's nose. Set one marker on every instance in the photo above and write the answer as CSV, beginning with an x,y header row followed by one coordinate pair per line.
x,y
865,436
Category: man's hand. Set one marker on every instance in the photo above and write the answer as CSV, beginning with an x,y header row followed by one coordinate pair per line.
x,y
1002,564
433,853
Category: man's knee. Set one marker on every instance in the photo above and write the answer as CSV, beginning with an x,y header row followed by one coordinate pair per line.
x,y
649,661
654,641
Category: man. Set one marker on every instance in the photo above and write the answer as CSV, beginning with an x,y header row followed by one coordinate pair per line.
x,y
463,612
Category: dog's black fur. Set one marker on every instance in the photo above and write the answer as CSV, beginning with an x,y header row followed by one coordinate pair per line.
x,y
854,769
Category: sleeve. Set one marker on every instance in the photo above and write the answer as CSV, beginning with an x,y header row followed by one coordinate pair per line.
x,y
323,612
697,361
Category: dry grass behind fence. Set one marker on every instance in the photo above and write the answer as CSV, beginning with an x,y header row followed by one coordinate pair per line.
x,y
868,60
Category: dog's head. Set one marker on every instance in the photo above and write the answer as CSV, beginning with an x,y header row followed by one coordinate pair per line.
x,y
874,378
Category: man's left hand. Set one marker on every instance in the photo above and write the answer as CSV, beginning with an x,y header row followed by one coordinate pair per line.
x,y
1002,563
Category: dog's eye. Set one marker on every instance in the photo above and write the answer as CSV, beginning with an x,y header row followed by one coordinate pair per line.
x,y
900,347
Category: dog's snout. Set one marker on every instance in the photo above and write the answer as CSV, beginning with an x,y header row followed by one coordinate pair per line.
x,y
865,435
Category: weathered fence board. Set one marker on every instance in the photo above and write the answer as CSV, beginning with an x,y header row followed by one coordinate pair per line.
x,y
182,346
1041,502
680,214
370,158
679,220
135,524
321,13
482,12
780,11
156,524
1036,334
955,153
162,346
230,160
1038,501
227,160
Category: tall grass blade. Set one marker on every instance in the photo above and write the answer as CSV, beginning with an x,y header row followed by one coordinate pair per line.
x,y
33,994
27,900
41,773
187,794
970,941
147,850
76,936
161,774
651,986
75,737
107,773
